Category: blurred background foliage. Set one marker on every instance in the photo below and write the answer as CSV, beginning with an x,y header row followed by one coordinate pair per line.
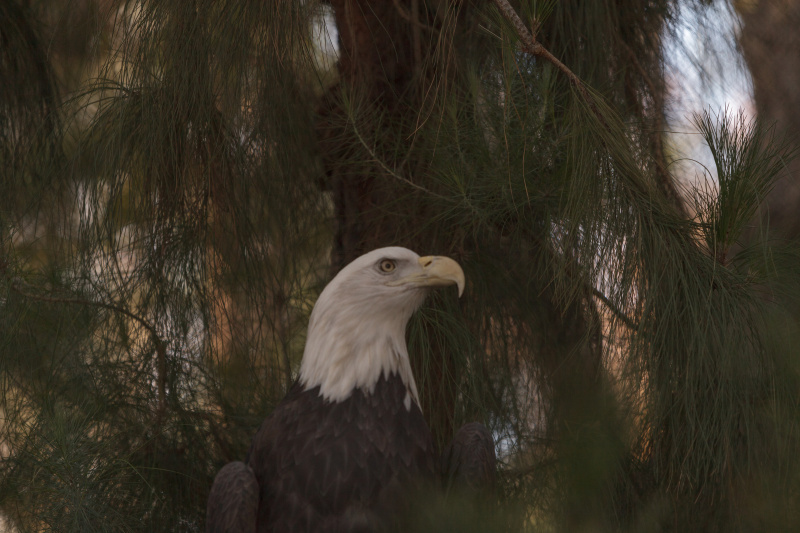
x,y
180,178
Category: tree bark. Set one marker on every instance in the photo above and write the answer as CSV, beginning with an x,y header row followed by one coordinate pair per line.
x,y
387,63
770,43
376,67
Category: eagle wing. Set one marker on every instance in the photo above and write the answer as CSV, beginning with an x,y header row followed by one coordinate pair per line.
x,y
469,462
233,501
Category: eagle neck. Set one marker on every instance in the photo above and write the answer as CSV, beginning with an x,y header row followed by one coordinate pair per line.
x,y
351,347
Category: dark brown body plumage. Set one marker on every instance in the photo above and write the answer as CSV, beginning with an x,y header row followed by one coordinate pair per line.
x,y
341,466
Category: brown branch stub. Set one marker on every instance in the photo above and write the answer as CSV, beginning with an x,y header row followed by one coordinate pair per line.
x,y
528,41
615,310
532,46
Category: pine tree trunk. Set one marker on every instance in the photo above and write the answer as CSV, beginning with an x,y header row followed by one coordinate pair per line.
x,y
385,61
771,47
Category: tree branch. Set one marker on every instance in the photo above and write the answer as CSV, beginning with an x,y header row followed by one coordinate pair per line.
x,y
532,46
161,351
391,172
616,311
586,286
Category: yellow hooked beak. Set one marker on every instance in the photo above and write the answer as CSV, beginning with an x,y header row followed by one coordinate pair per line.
x,y
435,271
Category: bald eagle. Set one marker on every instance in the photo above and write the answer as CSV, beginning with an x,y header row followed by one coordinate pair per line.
x,y
349,441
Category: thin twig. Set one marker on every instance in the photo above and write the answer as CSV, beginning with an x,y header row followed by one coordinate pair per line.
x,y
391,172
617,312
161,351
212,426
586,286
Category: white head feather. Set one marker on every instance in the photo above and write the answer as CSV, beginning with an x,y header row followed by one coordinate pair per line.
x,y
356,333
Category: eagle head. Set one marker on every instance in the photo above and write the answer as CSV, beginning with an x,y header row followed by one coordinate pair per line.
x,y
357,328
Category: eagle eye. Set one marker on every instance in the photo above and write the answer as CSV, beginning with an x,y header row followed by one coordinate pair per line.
x,y
387,265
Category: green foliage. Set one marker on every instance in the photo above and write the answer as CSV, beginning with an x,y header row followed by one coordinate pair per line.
x,y
748,160
168,225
